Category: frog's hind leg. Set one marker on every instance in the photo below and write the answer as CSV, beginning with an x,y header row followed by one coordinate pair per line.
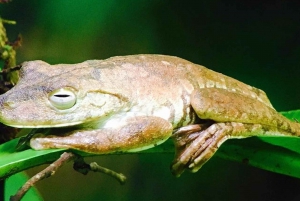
x,y
233,115
222,105
194,149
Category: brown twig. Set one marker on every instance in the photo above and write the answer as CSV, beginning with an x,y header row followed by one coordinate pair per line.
x,y
47,172
81,166
97,168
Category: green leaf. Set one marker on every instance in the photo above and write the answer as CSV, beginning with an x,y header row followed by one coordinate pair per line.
x,y
12,162
293,115
276,154
259,153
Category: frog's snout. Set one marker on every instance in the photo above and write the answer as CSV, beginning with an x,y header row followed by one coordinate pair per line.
x,y
3,108
2,100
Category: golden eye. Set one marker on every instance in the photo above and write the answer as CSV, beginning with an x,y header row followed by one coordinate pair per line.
x,y
63,98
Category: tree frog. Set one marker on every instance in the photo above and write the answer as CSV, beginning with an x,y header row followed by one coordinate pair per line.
x,y
132,103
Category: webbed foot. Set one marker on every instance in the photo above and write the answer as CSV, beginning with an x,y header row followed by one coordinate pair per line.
x,y
196,144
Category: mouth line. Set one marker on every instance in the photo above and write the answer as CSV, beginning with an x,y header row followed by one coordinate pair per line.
x,y
68,124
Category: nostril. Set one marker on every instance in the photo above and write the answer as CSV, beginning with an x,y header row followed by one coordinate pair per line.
x,y
9,105
5,102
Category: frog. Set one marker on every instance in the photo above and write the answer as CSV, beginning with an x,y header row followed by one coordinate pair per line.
x,y
127,104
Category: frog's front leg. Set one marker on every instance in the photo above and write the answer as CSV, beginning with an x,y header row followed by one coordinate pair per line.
x,y
136,133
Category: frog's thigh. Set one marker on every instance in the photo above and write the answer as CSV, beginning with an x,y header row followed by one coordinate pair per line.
x,y
136,134
225,106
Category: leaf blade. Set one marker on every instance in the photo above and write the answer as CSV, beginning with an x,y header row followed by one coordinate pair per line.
x,y
12,162
284,152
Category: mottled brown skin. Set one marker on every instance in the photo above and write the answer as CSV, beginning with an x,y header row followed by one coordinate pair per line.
x,y
130,103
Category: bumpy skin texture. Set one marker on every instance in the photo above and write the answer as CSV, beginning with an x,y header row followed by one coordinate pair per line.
x,y
130,103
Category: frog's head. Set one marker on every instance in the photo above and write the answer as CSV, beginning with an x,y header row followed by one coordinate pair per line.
x,y
55,96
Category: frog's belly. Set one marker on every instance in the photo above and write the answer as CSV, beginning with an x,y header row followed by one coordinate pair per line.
x,y
177,113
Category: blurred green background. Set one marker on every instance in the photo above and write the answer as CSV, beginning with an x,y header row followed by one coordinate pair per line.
x,y
255,42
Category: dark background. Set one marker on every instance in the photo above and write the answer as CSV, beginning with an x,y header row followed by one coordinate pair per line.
x,y
256,42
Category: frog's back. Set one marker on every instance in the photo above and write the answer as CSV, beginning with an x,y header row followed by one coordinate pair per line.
x,y
176,72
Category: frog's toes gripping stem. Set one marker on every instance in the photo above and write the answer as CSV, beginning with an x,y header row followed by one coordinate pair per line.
x,y
196,144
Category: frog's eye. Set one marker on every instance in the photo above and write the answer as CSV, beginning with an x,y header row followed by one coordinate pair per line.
x,y
63,98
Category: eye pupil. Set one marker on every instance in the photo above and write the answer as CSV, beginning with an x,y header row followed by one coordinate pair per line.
x,y
62,95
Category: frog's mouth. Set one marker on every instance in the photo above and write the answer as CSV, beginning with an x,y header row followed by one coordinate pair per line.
x,y
33,125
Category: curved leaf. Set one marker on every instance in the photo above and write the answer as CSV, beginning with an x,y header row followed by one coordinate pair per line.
x,y
276,154
12,162
255,152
